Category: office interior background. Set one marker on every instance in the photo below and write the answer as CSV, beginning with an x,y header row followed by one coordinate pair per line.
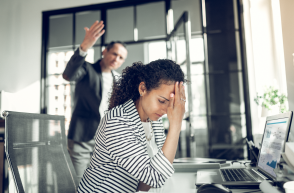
x,y
237,48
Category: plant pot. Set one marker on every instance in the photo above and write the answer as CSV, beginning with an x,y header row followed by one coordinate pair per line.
x,y
266,112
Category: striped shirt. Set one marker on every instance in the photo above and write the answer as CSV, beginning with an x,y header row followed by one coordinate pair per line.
x,y
120,159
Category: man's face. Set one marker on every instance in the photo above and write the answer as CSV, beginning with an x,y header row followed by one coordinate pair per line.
x,y
115,57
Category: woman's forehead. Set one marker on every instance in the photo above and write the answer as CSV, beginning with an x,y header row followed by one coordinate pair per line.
x,y
165,88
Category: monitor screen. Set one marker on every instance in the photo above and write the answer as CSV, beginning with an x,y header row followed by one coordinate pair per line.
x,y
274,136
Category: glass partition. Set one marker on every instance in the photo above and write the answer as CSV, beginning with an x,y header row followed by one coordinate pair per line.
x,y
215,121
179,49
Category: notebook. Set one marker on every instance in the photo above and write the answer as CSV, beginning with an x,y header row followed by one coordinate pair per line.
x,y
275,135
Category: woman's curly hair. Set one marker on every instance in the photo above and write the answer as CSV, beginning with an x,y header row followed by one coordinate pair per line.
x,y
153,75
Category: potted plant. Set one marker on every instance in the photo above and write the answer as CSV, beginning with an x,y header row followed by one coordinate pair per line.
x,y
271,100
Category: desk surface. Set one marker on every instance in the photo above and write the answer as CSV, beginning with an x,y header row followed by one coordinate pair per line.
x,y
185,182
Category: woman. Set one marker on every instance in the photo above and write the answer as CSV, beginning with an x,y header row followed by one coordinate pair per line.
x,y
131,151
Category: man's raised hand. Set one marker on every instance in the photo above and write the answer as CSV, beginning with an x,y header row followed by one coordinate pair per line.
x,y
92,35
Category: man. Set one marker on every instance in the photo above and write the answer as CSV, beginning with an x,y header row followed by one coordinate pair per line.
x,y
93,85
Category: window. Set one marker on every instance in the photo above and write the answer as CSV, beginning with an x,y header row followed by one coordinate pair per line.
x,y
57,87
219,118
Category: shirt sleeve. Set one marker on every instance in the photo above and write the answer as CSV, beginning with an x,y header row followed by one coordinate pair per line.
x,y
81,52
75,68
129,153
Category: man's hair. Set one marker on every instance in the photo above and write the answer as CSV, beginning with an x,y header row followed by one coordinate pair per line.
x,y
111,44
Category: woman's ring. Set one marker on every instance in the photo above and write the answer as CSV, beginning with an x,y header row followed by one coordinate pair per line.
x,y
183,100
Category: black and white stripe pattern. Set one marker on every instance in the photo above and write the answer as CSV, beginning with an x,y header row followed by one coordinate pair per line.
x,y
120,159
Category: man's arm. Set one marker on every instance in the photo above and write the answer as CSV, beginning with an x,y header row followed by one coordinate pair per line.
x,y
74,70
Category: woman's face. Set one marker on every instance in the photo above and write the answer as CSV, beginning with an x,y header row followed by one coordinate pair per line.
x,y
153,104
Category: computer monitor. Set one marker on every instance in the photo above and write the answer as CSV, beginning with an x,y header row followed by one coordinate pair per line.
x,y
275,135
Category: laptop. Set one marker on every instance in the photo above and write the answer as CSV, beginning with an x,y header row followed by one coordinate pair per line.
x,y
275,135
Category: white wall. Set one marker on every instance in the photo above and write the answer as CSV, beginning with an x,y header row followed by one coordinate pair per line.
x,y
265,59
287,15
20,50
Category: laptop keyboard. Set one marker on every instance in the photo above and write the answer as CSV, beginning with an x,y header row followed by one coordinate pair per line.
x,y
236,175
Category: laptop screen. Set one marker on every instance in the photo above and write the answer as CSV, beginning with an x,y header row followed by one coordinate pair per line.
x,y
272,144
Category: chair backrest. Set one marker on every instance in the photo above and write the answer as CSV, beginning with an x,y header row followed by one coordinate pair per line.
x,y
36,151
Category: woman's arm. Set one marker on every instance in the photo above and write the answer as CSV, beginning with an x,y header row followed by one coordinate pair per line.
x,y
175,113
128,152
143,187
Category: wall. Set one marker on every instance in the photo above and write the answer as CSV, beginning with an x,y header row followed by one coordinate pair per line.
x,y
287,16
20,50
264,47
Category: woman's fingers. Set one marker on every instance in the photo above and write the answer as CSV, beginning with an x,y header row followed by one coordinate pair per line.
x,y
177,92
171,101
183,94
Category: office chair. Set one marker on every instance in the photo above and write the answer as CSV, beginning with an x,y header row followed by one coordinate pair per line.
x,y
36,151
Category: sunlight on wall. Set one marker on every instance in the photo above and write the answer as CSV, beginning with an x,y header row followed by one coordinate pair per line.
x,y
25,100
264,50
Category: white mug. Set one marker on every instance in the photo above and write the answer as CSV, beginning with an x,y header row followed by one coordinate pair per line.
x,y
289,187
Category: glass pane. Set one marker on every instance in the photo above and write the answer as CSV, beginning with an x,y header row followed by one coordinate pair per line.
x,y
60,91
181,51
199,141
85,19
222,55
56,79
60,30
60,102
198,88
135,54
97,53
57,61
199,129
193,6
199,122
196,50
182,145
56,99
120,24
156,50
226,137
198,95
151,24
226,93
219,15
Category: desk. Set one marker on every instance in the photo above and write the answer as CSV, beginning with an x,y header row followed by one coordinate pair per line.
x,y
184,182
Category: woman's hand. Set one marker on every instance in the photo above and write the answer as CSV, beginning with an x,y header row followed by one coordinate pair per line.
x,y
176,108
175,113
143,187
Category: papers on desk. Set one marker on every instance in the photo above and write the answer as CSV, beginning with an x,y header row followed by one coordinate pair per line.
x,y
289,151
265,186
193,167
193,164
199,160
288,156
